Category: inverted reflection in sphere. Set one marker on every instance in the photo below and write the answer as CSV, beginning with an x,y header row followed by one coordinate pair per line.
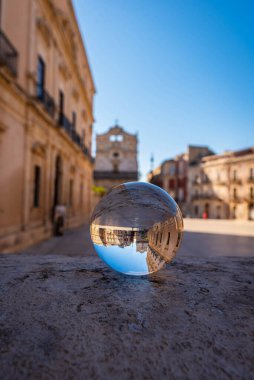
x,y
136,228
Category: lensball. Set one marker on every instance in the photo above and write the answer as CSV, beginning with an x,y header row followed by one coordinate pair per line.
x,y
136,228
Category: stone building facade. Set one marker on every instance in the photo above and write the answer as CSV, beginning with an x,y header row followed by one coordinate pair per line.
x,y
46,117
222,186
116,158
172,174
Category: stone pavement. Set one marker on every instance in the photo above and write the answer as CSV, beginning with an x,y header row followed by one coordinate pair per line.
x,y
220,226
65,315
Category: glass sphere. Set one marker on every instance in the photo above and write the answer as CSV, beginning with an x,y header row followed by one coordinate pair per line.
x,y
136,228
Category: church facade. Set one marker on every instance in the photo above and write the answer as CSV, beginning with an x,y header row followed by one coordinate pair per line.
x,y
116,158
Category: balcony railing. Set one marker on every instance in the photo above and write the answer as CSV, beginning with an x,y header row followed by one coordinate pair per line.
x,y
8,54
65,123
219,182
235,199
47,101
68,127
201,181
236,181
204,196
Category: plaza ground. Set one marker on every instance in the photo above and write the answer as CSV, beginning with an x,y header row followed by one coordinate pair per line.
x,y
65,315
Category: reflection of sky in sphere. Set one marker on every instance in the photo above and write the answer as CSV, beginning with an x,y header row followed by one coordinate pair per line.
x,y
125,260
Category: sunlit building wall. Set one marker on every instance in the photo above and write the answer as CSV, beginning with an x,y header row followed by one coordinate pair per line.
x,y
173,174
223,186
46,117
116,158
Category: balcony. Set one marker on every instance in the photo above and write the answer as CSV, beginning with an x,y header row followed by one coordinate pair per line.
x,y
8,54
236,181
65,123
219,182
204,196
235,199
87,153
201,181
46,100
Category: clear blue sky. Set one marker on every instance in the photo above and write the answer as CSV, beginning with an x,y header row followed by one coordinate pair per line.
x,y
177,71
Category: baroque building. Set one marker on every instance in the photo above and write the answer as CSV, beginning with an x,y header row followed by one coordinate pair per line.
x,y
172,175
223,186
46,117
116,158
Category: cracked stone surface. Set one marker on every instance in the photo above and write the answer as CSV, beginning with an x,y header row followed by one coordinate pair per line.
x,y
71,317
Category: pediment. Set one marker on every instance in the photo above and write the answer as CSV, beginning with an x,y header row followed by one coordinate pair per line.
x,y
39,148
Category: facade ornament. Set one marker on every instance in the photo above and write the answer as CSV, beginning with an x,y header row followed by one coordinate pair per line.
x,y
43,26
39,148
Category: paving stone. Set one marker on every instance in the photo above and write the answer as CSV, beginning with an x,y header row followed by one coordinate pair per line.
x,y
65,315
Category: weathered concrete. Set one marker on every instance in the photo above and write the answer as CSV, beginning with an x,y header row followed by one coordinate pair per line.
x,y
66,317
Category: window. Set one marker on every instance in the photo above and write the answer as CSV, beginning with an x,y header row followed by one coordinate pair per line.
x,y
37,184
251,173
115,154
180,167
251,193
180,194
71,193
234,193
172,169
40,77
168,239
61,106
196,211
234,175
116,138
171,184
74,120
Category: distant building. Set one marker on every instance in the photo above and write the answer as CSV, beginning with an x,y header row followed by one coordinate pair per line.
x,y
46,117
223,186
172,175
195,155
116,158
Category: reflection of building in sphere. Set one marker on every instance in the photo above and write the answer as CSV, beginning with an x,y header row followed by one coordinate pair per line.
x,y
164,237
141,246
154,261
136,228
160,242
120,236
